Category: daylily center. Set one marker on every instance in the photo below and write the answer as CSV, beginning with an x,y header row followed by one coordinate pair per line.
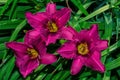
x,y
52,27
83,48
32,52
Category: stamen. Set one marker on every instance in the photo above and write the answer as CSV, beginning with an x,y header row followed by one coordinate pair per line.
x,y
32,52
83,48
52,27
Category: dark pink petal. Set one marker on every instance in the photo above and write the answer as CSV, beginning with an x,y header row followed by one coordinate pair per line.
x,y
72,30
76,66
52,37
26,65
68,50
17,47
38,20
41,47
20,59
94,62
67,33
48,59
93,32
83,35
102,44
44,34
51,8
31,36
75,35
62,16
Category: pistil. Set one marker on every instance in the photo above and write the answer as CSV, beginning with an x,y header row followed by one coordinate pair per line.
x,y
32,52
83,48
52,27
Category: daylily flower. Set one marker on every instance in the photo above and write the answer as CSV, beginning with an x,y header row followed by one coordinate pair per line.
x,y
30,54
51,23
84,49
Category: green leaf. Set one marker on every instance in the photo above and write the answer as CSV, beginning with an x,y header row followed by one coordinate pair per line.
x,y
111,48
117,28
113,64
4,39
12,8
6,70
15,75
107,75
66,74
40,76
85,74
5,7
3,1
17,30
108,27
48,77
2,46
98,11
9,24
80,6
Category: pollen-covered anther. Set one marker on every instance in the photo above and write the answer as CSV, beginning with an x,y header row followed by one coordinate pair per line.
x,y
83,48
32,52
52,27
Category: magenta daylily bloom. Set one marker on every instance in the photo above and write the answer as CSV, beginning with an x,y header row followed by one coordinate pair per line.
x,y
84,49
30,54
51,23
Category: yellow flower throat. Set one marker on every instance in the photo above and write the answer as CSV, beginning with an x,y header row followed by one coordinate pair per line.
x,y
52,27
83,48
32,52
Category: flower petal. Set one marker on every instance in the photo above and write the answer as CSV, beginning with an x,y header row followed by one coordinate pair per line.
x,y
26,65
102,44
41,47
94,62
31,36
51,8
62,16
48,59
38,20
93,32
68,50
67,33
83,35
18,48
76,66
52,37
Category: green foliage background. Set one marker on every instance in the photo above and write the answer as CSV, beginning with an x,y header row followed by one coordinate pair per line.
x,y
13,26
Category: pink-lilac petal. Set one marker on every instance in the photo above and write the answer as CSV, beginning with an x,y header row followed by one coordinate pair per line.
x,y
50,9
67,50
81,37
48,58
74,34
66,33
76,66
38,20
68,46
17,47
94,62
93,32
62,16
31,36
101,44
20,59
68,54
52,38
72,30
41,47
27,66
